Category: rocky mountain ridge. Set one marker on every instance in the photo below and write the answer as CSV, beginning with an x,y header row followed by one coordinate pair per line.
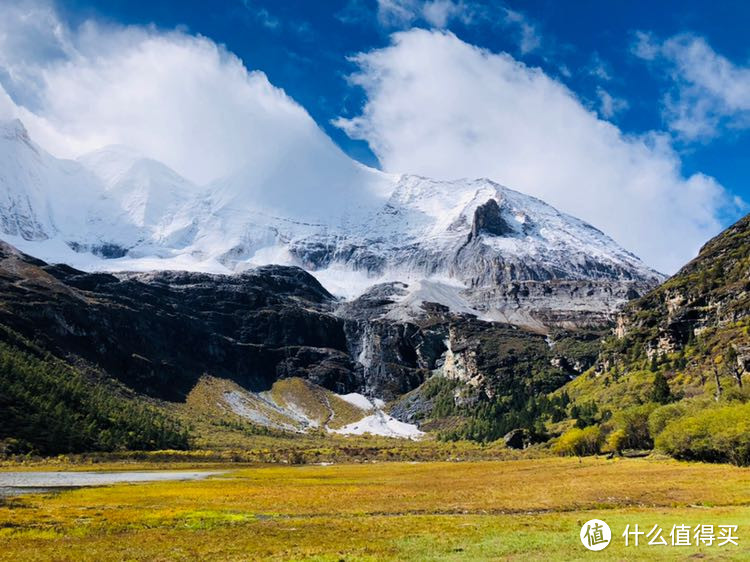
x,y
159,333
673,375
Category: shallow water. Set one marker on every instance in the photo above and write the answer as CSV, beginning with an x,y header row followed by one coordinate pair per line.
x,y
16,483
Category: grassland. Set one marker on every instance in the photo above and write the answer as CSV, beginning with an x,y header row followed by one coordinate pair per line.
x,y
522,509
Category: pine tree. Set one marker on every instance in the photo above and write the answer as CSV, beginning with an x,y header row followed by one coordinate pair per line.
x,y
661,392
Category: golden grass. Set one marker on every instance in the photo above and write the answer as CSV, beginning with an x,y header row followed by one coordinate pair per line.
x,y
526,509
215,426
315,402
206,406
253,449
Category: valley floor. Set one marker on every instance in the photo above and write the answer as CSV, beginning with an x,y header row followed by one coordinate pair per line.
x,y
516,509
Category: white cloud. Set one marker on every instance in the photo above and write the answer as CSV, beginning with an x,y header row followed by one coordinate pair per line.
x,y
708,90
29,32
599,68
440,107
644,46
436,106
267,19
440,14
609,106
397,13
179,98
262,15
529,38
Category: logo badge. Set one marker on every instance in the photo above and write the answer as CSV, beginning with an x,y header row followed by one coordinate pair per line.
x,y
595,534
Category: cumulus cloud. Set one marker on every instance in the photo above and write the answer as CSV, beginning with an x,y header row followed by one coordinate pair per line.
x,y
436,106
440,107
175,97
707,91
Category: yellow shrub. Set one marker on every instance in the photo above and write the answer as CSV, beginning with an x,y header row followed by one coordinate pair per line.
x,y
581,442
716,434
616,441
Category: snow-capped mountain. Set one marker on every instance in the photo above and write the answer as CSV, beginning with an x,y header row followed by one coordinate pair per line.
x,y
103,203
39,193
473,245
147,191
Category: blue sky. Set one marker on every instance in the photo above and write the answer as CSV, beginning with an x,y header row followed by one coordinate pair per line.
x,y
633,116
303,46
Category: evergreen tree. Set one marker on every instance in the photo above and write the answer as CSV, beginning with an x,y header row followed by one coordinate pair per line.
x,y
660,392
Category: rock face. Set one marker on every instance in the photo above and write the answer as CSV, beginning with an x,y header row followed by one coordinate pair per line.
x,y
158,333
487,219
710,292
480,248
685,344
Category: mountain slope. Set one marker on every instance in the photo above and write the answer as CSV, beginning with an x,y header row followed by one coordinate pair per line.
x,y
156,337
49,406
39,193
160,332
148,192
45,199
674,372
710,291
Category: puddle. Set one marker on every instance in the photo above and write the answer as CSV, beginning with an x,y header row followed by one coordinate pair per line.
x,y
16,483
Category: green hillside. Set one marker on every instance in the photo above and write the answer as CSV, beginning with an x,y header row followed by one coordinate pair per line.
x,y
671,376
50,407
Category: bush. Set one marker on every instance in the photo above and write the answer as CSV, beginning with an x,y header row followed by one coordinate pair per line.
x,y
579,442
660,393
616,441
663,415
585,414
720,434
632,428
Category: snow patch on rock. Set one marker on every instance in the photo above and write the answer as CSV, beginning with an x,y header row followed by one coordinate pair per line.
x,y
358,400
262,409
381,423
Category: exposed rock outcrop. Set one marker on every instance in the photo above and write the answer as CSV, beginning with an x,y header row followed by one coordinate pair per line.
x,y
489,220
159,332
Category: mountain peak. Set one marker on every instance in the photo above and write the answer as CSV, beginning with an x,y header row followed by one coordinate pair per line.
x,y
13,127
119,152
14,130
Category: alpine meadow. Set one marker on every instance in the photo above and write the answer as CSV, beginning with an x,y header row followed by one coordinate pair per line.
x,y
374,280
